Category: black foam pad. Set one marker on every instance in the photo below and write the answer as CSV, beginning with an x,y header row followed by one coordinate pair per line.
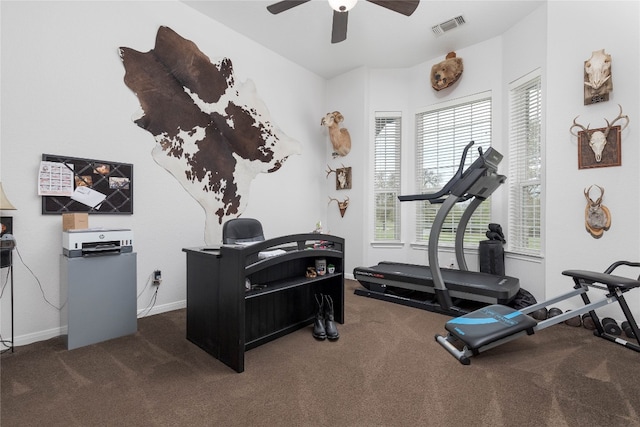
x,y
489,324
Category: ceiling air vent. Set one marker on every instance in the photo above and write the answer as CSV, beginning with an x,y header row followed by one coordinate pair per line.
x,y
452,23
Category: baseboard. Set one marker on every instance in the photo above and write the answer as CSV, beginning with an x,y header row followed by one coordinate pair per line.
x,y
38,336
177,305
62,330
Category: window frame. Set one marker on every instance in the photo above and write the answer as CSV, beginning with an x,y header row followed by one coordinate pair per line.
x,y
392,188
524,132
481,131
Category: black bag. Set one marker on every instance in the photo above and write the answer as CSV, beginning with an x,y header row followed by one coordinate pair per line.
x,y
492,257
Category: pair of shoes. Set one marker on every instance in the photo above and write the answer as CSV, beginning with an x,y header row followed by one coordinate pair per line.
x,y
324,325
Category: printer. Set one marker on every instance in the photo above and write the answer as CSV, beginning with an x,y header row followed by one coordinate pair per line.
x,y
93,242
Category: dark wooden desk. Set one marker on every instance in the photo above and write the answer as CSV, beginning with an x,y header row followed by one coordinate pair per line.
x,y
225,319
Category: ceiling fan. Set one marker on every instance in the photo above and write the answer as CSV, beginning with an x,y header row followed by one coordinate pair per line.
x,y
341,11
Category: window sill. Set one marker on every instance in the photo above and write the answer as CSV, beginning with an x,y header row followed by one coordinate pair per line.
x,y
538,259
388,245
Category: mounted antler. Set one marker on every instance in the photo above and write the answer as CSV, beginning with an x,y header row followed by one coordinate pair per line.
x,y
620,116
330,171
598,137
341,205
343,177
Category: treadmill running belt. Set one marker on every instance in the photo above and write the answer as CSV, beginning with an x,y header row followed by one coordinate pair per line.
x,y
470,285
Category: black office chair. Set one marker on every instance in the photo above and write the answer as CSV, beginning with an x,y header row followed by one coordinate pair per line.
x,y
242,230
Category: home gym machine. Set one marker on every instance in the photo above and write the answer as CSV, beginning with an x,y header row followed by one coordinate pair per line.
x,y
491,326
393,281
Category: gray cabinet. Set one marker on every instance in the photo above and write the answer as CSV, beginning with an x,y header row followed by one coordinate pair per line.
x,y
100,295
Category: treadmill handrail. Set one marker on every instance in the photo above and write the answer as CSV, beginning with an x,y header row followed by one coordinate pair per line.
x,y
437,196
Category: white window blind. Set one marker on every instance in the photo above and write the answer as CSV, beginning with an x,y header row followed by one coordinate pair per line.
x,y
525,120
441,135
387,176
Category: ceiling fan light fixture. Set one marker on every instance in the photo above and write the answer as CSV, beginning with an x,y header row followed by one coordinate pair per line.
x,y
342,5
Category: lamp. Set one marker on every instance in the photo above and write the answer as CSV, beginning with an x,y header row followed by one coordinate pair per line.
x,y
5,204
342,5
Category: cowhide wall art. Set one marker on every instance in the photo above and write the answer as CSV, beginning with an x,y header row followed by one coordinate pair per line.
x,y
213,134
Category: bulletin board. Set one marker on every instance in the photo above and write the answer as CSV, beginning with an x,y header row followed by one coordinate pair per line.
x,y
6,224
112,179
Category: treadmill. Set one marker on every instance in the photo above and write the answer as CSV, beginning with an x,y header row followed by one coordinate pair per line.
x,y
436,289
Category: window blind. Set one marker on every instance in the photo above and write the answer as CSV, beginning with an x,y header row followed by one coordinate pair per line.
x,y
386,166
525,121
441,135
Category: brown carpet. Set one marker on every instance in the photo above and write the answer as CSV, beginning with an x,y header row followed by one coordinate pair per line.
x,y
385,370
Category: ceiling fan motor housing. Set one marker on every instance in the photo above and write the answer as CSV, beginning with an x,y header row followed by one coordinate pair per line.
x,y
342,5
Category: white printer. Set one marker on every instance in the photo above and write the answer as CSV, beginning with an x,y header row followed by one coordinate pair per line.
x,y
92,242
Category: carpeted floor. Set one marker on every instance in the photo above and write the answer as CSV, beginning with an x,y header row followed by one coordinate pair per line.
x,y
385,370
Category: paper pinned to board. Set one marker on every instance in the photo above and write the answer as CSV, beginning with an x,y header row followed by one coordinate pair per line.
x,y
88,196
269,254
55,179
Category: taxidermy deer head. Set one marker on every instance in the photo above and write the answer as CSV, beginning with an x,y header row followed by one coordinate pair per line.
x,y
341,205
598,137
597,217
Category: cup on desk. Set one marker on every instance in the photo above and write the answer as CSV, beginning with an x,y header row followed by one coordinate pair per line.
x,y
321,266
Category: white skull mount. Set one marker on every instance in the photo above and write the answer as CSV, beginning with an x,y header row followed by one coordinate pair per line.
x,y
598,69
597,217
598,137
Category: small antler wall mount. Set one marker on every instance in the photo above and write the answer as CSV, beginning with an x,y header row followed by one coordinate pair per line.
x,y
599,147
597,217
343,177
342,205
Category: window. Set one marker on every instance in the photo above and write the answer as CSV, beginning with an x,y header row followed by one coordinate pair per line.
x,y
441,135
525,112
386,169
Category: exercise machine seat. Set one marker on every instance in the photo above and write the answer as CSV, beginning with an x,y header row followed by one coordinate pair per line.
x,y
605,278
489,324
242,230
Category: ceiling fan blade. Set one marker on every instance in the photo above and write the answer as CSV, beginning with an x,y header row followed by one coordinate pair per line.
x,y
405,7
339,27
284,5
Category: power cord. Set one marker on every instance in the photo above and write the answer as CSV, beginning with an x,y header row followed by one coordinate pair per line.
x,y
154,297
6,280
38,281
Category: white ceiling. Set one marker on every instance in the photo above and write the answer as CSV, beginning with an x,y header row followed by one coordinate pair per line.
x,y
376,38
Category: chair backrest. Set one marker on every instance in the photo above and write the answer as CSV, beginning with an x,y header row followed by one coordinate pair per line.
x,y
242,230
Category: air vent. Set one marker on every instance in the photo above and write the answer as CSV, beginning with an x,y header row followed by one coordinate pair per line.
x,y
445,26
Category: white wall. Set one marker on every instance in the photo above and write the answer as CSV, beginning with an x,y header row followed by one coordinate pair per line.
x,y
570,41
556,39
353,84
408,91
63,93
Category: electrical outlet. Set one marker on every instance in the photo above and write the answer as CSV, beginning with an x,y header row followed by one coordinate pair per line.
x,y
157,277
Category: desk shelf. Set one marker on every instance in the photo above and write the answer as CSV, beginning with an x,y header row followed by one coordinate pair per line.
x,y
225,319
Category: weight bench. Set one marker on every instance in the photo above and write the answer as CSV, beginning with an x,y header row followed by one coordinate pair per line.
x,y
491,326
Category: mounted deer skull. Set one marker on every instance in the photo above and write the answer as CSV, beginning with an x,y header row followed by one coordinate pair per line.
x,y
597,217
341,205
597,77
598,137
